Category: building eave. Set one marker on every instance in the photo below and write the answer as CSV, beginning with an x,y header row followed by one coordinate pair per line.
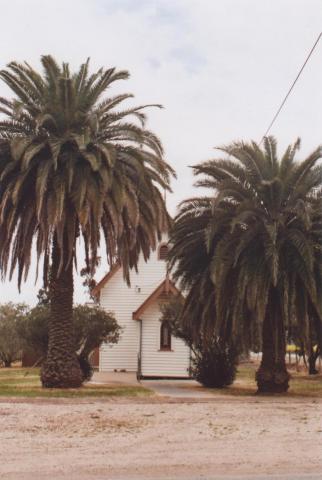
x,y
167,286
101,284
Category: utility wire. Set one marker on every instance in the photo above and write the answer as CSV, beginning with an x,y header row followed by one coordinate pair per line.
x,y
291,88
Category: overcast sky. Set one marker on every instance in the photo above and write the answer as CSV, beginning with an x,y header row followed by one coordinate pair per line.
x,y
219,67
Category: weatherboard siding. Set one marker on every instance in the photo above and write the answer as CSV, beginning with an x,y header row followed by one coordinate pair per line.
x,y
122,300
154,362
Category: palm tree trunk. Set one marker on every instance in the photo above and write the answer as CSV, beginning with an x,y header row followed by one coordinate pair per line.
x,y
272,375
61,368
314,355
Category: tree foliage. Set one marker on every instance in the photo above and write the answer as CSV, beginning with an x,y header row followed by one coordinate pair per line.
x,y
213,362
11,316
75,162
33,332
92,326
251,250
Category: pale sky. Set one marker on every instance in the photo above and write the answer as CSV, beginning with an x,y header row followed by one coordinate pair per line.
x,y
219,67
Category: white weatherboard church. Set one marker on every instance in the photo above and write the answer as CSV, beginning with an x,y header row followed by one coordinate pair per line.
x,y
146,345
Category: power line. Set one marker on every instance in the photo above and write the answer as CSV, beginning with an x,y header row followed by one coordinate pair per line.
x,y
291,88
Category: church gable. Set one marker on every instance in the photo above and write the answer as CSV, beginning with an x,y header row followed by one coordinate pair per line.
x,y
137,311
161,293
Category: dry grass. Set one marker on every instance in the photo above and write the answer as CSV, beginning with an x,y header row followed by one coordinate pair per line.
x,y
25,382
302,385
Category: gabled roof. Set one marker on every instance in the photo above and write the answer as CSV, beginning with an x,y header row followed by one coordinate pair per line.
x,y
97,289
166,287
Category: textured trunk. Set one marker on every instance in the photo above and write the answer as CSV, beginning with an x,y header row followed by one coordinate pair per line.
x,y
314,355
61,368
7,363
272,375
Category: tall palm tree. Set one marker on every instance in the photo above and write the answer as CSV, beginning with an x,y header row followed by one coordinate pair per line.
x,y
73,164
190,262
263,238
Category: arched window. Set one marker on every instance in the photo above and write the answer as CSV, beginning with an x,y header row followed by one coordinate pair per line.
x,y
165,336
163,252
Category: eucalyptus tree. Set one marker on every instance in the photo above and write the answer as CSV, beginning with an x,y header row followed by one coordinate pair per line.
x,y
75,163
11,315
263,238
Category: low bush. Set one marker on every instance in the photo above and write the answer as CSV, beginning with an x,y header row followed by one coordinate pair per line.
x,y
215,365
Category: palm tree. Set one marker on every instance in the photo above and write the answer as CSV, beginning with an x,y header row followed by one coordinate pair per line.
x,y
263,239
189,260
73,164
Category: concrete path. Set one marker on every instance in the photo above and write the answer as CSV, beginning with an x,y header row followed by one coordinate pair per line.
x,y
114,378
177,388
167,388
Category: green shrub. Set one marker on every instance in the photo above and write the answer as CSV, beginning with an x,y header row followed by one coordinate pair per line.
x,y
92,326
215,365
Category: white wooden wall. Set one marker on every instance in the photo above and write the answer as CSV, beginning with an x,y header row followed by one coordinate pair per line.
x,y
174,363
117,297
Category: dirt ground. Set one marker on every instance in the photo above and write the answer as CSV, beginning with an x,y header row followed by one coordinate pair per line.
x,y
159,438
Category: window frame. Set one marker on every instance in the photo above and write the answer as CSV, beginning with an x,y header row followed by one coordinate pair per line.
x,y
163,347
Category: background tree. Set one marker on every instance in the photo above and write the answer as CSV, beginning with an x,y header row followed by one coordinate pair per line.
x,y
73,163
307,346
11,315
314,344
33,332
92,326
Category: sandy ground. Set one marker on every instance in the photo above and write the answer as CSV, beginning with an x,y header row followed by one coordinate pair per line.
x,y
159,438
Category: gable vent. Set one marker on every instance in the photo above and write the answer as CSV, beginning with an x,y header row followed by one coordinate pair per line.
x,y
163,252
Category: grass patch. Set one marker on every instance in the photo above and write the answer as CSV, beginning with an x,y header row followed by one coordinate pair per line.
x,y
25,382
301,384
